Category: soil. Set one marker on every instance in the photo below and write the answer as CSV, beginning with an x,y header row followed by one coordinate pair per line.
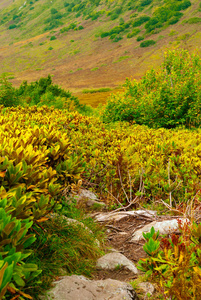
x,y
119,235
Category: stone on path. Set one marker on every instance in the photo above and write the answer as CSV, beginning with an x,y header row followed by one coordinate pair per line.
x,y
119,215
80,288
147,287
87,197
90,199
113,260
164,227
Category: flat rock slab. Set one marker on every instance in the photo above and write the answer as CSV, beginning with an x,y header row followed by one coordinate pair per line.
x,y
80,288
147,287
164,227
113,260
117,216
86,194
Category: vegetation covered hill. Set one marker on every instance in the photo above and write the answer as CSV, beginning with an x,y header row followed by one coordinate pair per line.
x,y
92,43
131,157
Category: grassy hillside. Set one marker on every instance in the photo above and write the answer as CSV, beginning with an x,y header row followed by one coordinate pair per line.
x,y
143,150
92,44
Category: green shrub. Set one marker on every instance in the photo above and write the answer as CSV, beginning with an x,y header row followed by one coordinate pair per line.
x,y
104,34
115,30
175,263
53,24
169,98
133,33
173,20
117,39
194,20
66,29
121,21
7,93
15,17
53,11
140,20
140,38
115,13
152,24
114,16
147,43
14,240
145,2
183,5
12,26
53,38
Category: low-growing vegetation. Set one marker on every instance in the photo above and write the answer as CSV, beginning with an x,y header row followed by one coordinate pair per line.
x,y
147,43
143,148
174,263
167,98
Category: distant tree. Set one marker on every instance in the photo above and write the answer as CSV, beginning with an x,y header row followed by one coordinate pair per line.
x,y
54,11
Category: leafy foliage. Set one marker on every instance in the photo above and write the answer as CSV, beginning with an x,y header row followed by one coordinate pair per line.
x,y
33,167
147,43
7,93
175,263
169,14
168,98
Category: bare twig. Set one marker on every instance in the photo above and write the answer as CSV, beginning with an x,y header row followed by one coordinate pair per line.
x,y
122,184
169,181
113,227
126,207
130,186
116,199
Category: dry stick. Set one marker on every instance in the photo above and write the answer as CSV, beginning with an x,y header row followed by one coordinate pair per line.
x,y
169,181
43,229
92,172
113,227
129,201
125,207
116,199
140,181
189,206
122,185
130,186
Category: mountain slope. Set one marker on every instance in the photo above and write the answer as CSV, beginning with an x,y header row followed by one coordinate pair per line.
x,y
92,43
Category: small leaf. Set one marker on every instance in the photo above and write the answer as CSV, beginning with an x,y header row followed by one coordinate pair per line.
x,y
25,295
2,174
42,220
18,280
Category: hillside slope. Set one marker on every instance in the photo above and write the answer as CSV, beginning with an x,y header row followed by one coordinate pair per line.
x,y
92,43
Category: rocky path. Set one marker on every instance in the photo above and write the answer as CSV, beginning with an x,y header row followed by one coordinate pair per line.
x,y
116,271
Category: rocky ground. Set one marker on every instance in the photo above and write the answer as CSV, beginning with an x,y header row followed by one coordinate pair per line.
x,y
116,274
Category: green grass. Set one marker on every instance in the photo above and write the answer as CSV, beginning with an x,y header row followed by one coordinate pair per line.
x,y
63,248
121,58
95,69
101,90
73,45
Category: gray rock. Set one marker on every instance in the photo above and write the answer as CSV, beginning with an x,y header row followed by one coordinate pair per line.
x,y
88,198
112,260
116,216
86,194
165,227
147,287
95,204
80,288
